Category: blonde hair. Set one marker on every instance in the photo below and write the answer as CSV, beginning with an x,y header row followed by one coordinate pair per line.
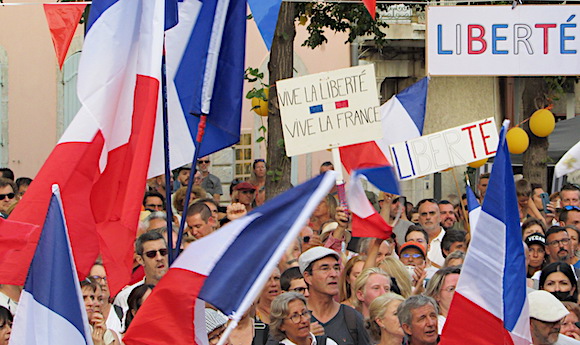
x,y
376,311
344,287
361,281
395,268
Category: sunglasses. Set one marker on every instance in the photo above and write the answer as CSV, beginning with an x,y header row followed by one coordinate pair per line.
x,y
415,255
153,253
203,161
567,208
9,195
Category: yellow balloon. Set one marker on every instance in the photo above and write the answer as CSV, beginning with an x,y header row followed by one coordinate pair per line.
x,y
542,123
259,106
517,140
478,163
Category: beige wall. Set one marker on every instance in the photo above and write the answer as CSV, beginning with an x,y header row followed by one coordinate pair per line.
x,y
32,86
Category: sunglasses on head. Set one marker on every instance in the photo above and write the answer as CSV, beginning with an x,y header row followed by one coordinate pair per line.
x,y
153,253
259,160
203,161
9,195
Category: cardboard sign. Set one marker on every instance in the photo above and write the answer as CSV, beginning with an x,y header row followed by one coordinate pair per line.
x,y
498,40
438,151
330,109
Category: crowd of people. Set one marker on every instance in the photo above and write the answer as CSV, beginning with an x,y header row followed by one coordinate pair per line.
x,y
330,287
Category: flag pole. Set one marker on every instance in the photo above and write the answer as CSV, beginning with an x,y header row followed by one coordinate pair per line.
x,y
339,177
198,139
168,187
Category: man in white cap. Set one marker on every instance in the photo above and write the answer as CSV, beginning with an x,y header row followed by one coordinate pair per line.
x,y
341,323
546,313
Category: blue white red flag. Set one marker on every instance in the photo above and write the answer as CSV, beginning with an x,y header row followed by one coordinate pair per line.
x,y
227,269
490,302
51,308
473,207
101,161
402,118
366,222
265,13
205,55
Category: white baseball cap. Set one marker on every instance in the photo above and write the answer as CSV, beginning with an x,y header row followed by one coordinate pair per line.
x,y
546,307
314,254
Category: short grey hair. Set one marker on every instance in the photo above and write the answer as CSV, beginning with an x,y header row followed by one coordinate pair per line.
x,y
404,310
144,224
279,311
458,254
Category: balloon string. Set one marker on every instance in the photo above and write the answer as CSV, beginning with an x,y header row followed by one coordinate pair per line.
x,y
549,107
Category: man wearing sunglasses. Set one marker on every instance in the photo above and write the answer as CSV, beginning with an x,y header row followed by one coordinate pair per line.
x,y
570,215
7,195
210,183
151,253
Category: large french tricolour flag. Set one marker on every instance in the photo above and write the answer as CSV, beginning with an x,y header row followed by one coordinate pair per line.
x,y
402,118
227,269
102,159
490,302
51,309
205,55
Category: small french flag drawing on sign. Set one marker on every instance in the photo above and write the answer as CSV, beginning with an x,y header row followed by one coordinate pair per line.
x,y
329,106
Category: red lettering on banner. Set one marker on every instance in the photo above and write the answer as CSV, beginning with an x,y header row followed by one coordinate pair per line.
x,y
469,128
471,39
545,27
485,137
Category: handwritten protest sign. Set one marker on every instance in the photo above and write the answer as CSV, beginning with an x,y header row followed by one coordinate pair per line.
x,y
438,151
330,109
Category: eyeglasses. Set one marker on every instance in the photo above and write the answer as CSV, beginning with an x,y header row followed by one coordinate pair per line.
x,y
415,256
203,161
98,279
153,253
296,318
567,208
9,195
555,243
300,290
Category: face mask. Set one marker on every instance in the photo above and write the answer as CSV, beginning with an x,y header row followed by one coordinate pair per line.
x,y
562,296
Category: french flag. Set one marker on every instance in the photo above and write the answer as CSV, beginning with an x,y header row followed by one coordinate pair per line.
x,y
473,207
51,308
366,222
402,118
101,161
205,55
227,269
490,302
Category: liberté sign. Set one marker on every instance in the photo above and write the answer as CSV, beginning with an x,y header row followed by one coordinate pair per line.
x,y
449,148
329,109
498,40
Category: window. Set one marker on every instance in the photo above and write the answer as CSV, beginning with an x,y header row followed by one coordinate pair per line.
x,y
243,164
70,101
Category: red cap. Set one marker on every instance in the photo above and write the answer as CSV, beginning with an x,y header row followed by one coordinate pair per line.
x,y
413,244
245,186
